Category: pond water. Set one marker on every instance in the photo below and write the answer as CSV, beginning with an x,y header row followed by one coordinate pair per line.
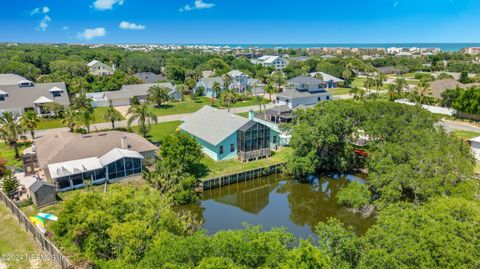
x,y
277,201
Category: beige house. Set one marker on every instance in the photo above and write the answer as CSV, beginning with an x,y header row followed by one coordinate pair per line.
x,y
98,68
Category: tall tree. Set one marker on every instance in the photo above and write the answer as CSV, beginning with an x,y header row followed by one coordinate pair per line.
x,y
269,89
144,116
81,101
112,115
10,131
217,89
9,182
86,118
228,97
158,95
423,91
30,121
379,79
401,84
69,119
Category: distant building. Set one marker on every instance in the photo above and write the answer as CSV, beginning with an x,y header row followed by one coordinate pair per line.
x,y
472,50
277,62
149,77
207,85
98,68
70,159
303,90
329,81
240,80
19,95
42,193
227,136
439,86
390,70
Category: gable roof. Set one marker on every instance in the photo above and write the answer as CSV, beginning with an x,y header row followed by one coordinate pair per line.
x,y
92,63
268,59
294,93
117,154
236,73
62,146
10,79
149,77
305,80
212,125
326,77
439,86
208,82
39,184
129,91
23,97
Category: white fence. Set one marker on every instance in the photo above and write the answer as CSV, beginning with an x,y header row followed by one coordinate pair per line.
x,y
433,109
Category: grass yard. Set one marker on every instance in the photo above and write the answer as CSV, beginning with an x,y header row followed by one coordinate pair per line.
x,y
190,106
14,240
7,153
217,168
160,130
99,113
465,134
339,91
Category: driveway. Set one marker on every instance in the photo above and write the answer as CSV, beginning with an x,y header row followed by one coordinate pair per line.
x,y
450,125
123,110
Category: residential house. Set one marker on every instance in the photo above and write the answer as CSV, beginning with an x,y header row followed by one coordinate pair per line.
x,y
472,50
227,136
123,96
207,85
329,81
303,90
70,159
149,77
240,80
273,118
439,86
277,62
98,68
19,95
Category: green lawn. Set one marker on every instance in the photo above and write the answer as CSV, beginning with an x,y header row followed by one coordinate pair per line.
x,y
15,241
218,168
99,114
360,83
161,130
7,153
466,134
339,91
189,105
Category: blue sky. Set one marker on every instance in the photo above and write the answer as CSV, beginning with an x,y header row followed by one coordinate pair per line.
x,y
245,21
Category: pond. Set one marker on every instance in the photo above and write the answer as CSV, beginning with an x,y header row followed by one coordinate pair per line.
x,y
277,201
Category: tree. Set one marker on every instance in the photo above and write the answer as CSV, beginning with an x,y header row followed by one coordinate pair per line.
x,y
259,101
30,122
227,81
278,79
449,96
217,89
144,115
81,101
355,195
464,78
10,130
369,83
392,92
379,79
112,115
86,118
54,108
269,89
158,95
401,84
423,91
348,75
69,119
10,182
228,97
357,93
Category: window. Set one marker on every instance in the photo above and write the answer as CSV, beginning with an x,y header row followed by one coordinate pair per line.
x,y
77,179
274,139
2,97
232,147
57,93
63,182
221,149
319,98
328,97
100,173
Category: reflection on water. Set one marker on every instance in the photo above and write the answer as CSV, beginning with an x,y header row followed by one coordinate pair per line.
x,y
277,201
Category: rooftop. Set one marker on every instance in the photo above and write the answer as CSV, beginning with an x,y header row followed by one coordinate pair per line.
x,y
326,77
10,79
294,93
22,97
212,125
129,91
305,80
62,147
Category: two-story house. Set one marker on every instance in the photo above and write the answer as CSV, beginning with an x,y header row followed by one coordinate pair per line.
x,y
277,62
98,68
303,91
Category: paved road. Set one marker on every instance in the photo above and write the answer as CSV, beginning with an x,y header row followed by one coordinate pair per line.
x,y
123,123
455,125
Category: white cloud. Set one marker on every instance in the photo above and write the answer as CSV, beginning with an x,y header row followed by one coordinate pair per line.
x,y
131,26
395,4
106,4
44,23
199,4
40,10
65,28
88,34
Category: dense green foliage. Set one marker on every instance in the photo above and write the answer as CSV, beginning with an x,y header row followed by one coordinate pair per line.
x,y
9,181
468,101
354,195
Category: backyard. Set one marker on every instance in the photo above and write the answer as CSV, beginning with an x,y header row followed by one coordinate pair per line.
x,y
98,112
7,153
339,91
466,135
17,243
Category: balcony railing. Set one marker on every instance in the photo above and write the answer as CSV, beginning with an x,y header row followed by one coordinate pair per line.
x,y
254,154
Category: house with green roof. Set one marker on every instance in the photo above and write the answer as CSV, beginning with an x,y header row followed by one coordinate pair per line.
x,y
227,136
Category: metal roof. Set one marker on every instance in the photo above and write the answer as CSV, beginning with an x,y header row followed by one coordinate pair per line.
x,y
305,80
117,154
38,184
212,125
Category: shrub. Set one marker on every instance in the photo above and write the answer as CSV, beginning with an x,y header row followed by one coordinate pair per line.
x,y
354,195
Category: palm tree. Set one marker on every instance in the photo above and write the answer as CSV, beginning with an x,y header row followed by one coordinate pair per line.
x,y
82,102
217,89
269,89
392,92
30,121
158,94
144,115
400,84
227,81
278,79
86,118
69,118
259,100
357,93
10,130
381,77
112,115
228,97
369,83
423,90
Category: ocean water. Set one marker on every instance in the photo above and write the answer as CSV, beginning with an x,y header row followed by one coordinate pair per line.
x,y
442,46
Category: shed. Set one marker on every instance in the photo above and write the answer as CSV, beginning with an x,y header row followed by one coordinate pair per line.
x,y
42,193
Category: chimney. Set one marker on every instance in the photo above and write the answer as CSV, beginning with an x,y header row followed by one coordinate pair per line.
x,y
124,142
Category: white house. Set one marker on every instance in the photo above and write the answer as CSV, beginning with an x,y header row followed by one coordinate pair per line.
x,y
329,81
18,95
240,80
303,91
98,68
277,62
